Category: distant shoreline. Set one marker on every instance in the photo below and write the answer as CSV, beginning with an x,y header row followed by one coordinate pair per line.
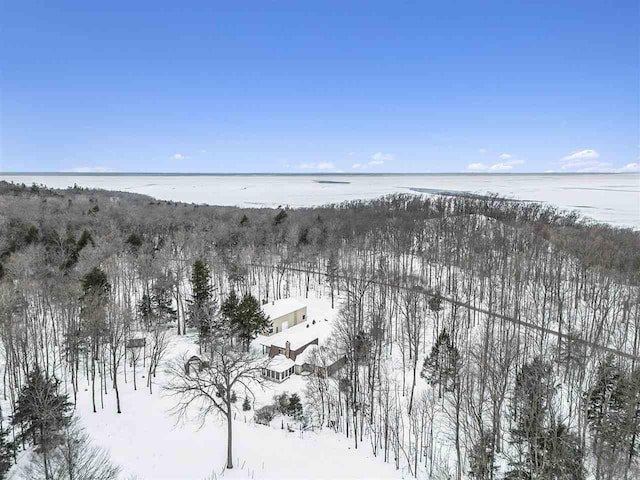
x,y
307,174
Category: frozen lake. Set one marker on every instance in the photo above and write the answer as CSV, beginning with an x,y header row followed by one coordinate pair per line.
x,y
612,198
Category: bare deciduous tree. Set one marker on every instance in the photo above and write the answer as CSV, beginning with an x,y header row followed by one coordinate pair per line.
x,y
209,389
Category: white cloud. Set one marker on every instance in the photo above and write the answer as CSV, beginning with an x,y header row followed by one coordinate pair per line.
x,y
317,166
501,167
581,155
631,167
379,158
587,166
584,161
477,167
358,166
94,169
179,156
482,151
505,166
505,156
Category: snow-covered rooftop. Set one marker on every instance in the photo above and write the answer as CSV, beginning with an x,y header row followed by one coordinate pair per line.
x,y
280,363
278,308
306,355
298,335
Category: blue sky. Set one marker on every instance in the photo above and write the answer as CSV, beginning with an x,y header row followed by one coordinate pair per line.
x,y
319,86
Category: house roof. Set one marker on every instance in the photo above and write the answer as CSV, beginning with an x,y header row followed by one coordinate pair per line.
x,y
324,357
297,336
282,307
306,355
280,363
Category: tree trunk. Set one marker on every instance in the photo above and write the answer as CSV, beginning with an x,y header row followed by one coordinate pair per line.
x,y
229,439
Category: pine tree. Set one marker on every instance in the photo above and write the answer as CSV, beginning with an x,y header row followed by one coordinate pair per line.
x,y
280,217
229,307
481,457
442,365
563,458
613,413
95,284
246,405
532,396
435,303
163,302
202,304
249,320
157,306
95,297
294,409
145,309
42,412
7,452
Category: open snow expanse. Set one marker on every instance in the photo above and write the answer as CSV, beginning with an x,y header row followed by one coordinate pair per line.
x,y
611,198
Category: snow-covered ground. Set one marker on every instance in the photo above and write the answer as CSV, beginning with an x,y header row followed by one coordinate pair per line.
x,y
148,443
612,198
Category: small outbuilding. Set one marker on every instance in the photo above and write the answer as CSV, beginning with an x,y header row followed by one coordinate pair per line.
x,y
195,363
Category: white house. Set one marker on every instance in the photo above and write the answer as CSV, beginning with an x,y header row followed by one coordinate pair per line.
x,y
285,313
295,350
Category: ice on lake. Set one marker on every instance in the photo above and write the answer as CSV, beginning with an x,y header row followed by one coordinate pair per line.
x,y
612,198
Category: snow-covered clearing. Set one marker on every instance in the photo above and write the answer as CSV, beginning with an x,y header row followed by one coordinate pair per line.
x,y
146,441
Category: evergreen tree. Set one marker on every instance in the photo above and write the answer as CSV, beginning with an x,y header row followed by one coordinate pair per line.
x,y
294,409
442,365
163,302
280,217
246,405
133,243
7,452
561,453
229,307
42,411
95,297
530,408
95,284
157,306
202,309
145,310
481,457
249,320
613,413
435,303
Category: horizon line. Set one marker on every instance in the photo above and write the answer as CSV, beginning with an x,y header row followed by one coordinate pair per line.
x,y
67,172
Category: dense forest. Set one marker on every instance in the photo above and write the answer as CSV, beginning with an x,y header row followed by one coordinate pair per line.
x,y
484,338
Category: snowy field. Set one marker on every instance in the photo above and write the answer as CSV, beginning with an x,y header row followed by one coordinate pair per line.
x,y
611,198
